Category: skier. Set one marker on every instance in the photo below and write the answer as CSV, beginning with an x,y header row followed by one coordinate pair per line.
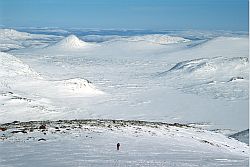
x,y
118,146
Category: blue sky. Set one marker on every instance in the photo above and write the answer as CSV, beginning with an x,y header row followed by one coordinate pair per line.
x,y
127,14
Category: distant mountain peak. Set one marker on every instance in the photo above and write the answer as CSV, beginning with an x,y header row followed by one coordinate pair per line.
x,y
71,42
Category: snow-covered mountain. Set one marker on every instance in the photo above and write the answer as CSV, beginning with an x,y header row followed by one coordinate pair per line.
x,y
12,40
70,43
13,34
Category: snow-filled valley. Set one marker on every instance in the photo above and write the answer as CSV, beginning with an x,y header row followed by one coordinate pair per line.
x,y
199,80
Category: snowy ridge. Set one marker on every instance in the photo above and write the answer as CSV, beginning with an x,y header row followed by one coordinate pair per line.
x,y
218,77
14,75
10,66
13,34
12,40
26,94
13,67
93,142
229,41
161,39
70,42
204,65
181,131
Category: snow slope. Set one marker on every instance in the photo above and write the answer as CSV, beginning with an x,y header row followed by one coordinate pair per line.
x,y
93,143
218,77
26,93
242,136
216,47
14,68
14,35
15,72
12,39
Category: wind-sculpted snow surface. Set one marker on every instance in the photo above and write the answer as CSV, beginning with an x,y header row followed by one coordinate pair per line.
x,y
218,77
93,143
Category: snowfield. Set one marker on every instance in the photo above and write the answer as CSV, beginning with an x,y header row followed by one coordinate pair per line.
x,y
195,82
93,143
